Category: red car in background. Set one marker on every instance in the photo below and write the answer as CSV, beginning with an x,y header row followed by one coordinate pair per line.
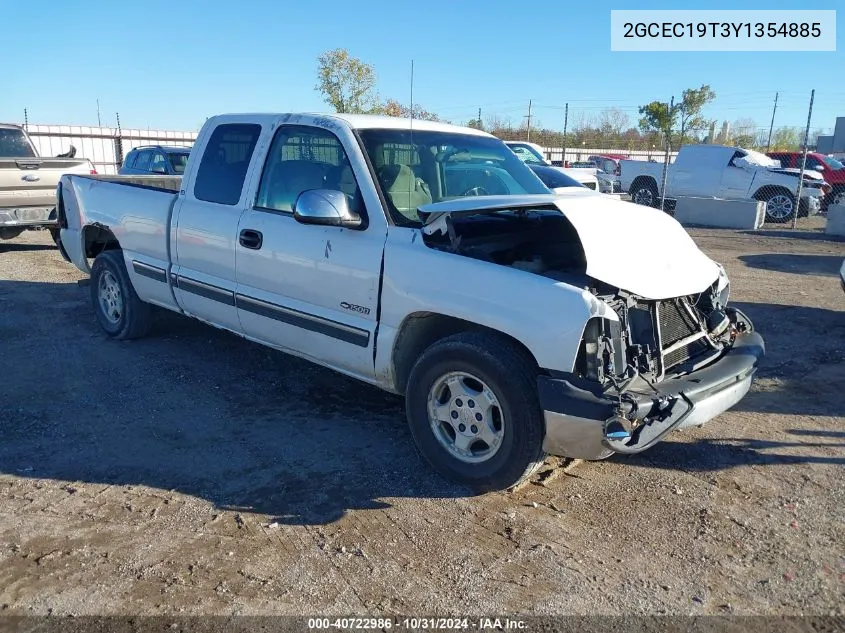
x,y
831,170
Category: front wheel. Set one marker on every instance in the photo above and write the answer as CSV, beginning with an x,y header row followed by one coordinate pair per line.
x,y
472,406
120,312
780,206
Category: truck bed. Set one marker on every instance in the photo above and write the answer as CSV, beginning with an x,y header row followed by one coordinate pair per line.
x,y
136,209
631,169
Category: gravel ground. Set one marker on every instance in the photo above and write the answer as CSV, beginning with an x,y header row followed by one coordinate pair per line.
x,y
194,472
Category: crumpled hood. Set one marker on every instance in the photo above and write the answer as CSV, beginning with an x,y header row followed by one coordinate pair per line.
x,y
632,247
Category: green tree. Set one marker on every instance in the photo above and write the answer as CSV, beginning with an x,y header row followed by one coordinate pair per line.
x,y
346,83
657,118
692,102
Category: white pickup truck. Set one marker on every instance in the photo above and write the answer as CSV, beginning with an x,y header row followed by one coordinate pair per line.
x,y
428,260
731,173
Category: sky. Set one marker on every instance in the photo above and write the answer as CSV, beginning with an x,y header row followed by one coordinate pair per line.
x,y
169,65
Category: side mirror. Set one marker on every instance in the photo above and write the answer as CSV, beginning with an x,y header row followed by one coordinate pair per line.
x,y
819,167
158,169
326,207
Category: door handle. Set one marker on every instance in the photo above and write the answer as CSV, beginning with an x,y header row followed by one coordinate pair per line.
x,y
250,238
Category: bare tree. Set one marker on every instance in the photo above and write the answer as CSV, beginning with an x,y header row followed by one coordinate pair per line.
x,y
745,132
612,122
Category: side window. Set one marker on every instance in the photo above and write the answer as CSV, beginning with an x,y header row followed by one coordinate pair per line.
x,y
221,174
303,158
737,154
158,164
142,160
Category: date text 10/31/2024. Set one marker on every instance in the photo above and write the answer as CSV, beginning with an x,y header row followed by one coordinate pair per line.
x,y
417,624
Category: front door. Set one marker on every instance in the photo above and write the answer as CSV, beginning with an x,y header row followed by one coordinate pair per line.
x,y
310,290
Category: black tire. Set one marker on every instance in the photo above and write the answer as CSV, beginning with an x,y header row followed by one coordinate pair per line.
x,y
512,377
644,192
770,197
134,317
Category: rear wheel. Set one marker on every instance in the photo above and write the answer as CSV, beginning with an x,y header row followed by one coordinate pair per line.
x,y
472,406
120,312
645,192
9,234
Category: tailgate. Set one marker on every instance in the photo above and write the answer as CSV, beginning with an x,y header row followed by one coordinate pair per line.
x,y
31,182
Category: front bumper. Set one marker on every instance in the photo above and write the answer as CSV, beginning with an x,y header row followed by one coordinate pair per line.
x,y
809,205
576,417
27,216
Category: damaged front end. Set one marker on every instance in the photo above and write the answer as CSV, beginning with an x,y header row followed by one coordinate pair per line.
x,y
659,353
663,365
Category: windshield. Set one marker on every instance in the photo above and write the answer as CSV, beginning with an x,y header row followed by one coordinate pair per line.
x,y
14,144
421,167
834,164
178,162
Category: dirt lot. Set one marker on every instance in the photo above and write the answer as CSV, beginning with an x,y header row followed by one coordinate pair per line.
x,y
195,472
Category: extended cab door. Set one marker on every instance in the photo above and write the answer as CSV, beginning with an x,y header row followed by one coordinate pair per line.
x,y
204,230
736,180
312,290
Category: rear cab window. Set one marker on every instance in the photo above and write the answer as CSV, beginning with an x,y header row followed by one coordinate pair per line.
x,y
14,144
225,162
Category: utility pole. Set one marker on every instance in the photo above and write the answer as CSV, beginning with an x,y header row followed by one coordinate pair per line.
x,y
25,120
565,123
99,122
667,142
480,126
803,161
528,126
772,124
118,143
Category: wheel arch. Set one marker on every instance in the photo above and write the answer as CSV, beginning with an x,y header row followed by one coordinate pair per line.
x,y
766,191
97,238
640,180
420,330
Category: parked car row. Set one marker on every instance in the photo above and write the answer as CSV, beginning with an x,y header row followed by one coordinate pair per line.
x,y
430,261
532,154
